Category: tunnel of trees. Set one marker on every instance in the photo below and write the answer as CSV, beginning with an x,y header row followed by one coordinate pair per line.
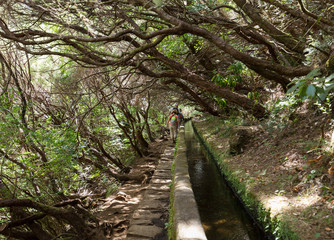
x,y
86,85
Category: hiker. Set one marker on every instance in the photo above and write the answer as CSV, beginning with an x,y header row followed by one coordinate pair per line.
x,y
173,122
179,114
176,107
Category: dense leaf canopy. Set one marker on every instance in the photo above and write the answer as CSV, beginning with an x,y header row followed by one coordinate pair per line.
x,y
187,41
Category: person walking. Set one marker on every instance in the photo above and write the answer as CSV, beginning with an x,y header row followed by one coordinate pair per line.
x,y
179,114
176,107
173,123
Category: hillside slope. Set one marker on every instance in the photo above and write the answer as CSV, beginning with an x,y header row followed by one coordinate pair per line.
x,y
287,167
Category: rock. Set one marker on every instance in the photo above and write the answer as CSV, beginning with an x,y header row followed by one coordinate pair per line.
x,y
240,137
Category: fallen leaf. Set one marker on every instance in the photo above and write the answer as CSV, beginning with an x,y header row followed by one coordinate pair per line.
x,y
331,170
315,160
296,188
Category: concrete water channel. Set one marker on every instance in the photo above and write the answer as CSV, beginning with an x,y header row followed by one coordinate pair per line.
x,y
204,206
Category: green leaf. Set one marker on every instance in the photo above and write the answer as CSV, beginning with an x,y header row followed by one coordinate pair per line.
x,y
317,235
302,91
263,173
158,3
329,78
313,73
310,91
292,89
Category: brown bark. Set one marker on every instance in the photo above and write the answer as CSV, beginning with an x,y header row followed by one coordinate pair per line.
x,y
118,176
17,213
174,24
142,142
181,27
314,16
311,21
273,76
293,44
97,141
139,135
241,100
254,108
205,106
68,215
22,235
250,61
145,115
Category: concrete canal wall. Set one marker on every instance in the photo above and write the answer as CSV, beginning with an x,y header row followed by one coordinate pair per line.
x,y
187,223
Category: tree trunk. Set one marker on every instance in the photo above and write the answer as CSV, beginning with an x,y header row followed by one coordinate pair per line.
x,y
142,142
68,215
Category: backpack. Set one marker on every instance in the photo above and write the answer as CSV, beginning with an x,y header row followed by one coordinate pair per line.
x,y
173,120
174,108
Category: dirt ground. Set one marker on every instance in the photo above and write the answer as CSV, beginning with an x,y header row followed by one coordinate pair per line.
x,y
287,167
115,211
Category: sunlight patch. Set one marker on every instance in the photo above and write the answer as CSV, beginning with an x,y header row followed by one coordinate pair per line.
x,y
283,204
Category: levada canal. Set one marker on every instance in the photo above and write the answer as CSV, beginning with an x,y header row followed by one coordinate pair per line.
x,y
222,215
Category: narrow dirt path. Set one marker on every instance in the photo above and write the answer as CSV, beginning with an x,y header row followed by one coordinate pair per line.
x,y
134,200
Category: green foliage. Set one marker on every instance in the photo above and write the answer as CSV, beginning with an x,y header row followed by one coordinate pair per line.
x,y
221,102
112,188
197,6
10,126
282,230
313,174
315,87
233,76
317,235
59,143
281,111
158,3
312,86
174,47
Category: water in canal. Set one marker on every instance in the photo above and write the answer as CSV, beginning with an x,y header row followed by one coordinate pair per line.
x,y
222,216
